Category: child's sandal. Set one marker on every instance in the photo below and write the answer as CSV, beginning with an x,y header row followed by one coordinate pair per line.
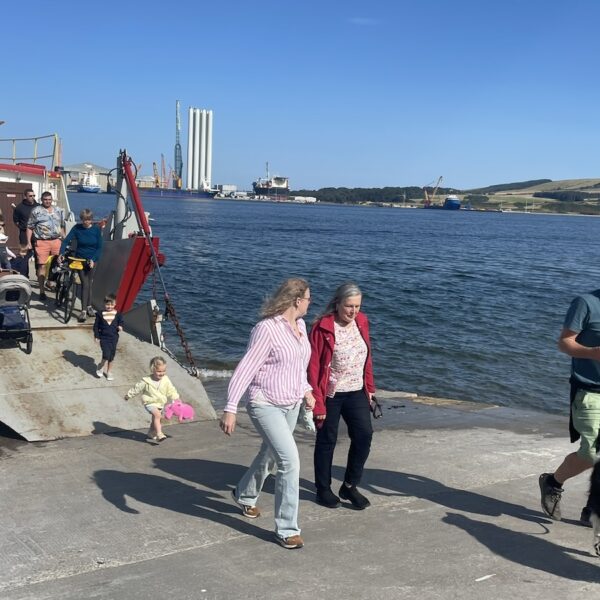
x,y
161,437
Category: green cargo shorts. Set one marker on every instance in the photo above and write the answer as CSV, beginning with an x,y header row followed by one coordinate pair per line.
x,y
586,420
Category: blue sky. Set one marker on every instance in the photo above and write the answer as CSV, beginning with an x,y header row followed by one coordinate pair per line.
x,y
346,93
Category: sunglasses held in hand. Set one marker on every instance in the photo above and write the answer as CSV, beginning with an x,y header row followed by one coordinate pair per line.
x,y
376,408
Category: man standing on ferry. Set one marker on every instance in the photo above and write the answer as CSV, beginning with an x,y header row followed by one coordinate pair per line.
x,y
22,212
47,224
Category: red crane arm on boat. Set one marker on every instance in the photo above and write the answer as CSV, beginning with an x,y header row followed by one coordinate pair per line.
x,y
135,194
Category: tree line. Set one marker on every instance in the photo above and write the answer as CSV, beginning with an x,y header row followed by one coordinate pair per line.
x,y
568,196
357,195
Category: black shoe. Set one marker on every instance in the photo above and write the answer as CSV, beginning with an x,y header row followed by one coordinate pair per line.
x,y
328,499
550,497
354,496
43,296
586,517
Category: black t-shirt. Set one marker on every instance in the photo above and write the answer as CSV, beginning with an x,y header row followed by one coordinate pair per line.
x,y
21,214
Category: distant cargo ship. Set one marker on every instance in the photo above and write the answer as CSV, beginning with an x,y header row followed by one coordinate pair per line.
x,y
451,202
273,187
158,192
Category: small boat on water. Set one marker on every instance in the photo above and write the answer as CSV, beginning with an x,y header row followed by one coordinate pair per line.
x,y
53,392
89,183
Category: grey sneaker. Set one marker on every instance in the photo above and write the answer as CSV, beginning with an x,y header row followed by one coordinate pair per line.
x,y
550,497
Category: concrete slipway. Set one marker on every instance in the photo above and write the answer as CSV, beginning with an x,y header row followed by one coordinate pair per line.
x,y
54,393
455,514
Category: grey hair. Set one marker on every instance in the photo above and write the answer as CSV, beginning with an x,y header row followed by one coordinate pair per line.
x,y
284,297
346,290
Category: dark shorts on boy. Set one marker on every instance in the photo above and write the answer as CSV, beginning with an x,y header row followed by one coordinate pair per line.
x,y
109,349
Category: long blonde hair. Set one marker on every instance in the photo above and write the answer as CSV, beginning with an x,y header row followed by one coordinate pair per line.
x,y
284,297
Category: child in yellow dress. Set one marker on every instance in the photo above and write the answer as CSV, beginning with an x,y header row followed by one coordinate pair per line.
x,y
156,390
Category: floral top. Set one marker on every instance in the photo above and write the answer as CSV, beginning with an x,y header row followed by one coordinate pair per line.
x,y
348,361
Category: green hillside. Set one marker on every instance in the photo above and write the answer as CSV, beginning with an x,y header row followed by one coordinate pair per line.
x,y
579,196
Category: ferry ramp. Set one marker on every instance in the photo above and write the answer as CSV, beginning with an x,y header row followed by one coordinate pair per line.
x,y
54,393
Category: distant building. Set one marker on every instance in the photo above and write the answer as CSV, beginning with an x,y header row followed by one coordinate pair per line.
x,y
226,188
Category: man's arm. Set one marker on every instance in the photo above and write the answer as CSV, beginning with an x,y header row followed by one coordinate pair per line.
x,y
568,345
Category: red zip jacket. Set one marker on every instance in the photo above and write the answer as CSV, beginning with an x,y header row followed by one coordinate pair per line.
x,y
322,342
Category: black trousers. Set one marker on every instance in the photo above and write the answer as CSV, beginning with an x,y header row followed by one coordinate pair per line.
x,y
353,407
87,279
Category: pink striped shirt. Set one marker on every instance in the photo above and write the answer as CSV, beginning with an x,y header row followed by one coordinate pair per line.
x,y
274,366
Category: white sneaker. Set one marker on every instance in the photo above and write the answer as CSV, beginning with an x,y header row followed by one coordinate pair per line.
x,y
109,377
99,373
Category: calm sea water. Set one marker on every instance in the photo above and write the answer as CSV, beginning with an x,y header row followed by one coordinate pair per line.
x,y
462,304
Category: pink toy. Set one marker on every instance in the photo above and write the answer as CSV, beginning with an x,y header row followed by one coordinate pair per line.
x,y
179,409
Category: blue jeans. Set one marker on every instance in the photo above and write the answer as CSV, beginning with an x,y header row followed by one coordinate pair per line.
x,y
354,408
276,426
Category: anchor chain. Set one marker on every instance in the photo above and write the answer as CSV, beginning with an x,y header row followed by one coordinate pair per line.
x,y
170,313
169,310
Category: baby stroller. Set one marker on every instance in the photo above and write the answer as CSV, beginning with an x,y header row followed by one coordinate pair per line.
x,y
15,294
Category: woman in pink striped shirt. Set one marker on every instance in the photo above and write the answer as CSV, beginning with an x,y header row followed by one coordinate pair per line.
x,y
273,370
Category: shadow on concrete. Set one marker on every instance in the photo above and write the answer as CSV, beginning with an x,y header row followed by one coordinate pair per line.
x,y
408,484
528,550
119,432
220,476
81,361
176,496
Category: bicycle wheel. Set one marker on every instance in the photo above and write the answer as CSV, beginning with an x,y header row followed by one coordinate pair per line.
x,y
70,296
60,290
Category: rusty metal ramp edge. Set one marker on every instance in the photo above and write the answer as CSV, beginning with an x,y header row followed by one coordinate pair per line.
x,y
54,393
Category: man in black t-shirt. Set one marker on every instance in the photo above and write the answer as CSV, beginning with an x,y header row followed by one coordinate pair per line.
x,y
21,214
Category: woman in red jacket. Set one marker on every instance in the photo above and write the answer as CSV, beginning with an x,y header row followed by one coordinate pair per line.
x,y
340,372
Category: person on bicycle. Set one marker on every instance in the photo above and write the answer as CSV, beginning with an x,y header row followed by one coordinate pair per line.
x,y
88,237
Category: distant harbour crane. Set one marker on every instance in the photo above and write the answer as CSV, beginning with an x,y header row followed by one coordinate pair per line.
x,y
156,175
178,171
429,199
163,172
